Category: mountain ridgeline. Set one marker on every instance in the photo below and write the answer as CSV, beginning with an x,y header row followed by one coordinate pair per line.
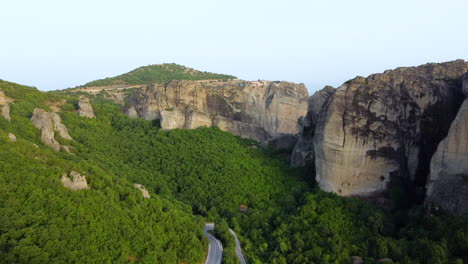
x,y
127,170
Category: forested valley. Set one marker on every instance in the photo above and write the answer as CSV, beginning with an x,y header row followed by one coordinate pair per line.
x,y
193,177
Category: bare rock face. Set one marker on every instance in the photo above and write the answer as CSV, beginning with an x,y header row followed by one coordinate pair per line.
x,y
255,110
12,137
75,182
172,119
303,151
447,186
85,108
49,124
5,102
284,142
131,112
143,190
242,129
385,127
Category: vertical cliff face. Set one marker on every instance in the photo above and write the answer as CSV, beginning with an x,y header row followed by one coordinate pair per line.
x,y
303,151
447,187
385,127
256,110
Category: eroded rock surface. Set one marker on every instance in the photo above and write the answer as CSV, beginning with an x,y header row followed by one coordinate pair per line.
x,y
143,190
303,151
50,124
85,108
12,137
75,182
385,127
5,102
447,187
257,110
284,142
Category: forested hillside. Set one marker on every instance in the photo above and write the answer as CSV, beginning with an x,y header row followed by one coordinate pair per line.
x,y
158,73
193,177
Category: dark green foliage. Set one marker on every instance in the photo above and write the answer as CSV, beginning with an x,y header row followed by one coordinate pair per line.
x,y
159,73
42,222
193,176
227,239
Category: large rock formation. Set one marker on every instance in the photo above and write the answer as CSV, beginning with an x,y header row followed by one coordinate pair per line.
x,y
49,124
447,187
75,183
386,127
85,109
303,151
255,110
5,105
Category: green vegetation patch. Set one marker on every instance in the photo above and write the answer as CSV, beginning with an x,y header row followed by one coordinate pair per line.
x,y
159,73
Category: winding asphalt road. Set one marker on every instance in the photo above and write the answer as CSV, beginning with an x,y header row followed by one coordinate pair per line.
x,y
238,248
215,248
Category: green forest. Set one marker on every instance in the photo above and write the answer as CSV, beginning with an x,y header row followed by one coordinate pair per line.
x,y
159,73
193,177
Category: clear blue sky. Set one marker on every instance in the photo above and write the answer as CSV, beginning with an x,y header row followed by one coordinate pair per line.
x,y
54,44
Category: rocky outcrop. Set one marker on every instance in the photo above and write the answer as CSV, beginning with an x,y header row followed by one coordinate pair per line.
x,y
5,109
85,108
143,190
447,187
49,124
284,142
385,260
12,137
303,151
385,127
75,182
5,105
356,260
257,110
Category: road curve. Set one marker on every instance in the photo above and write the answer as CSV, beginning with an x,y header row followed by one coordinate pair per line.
x,y
238,248
215,248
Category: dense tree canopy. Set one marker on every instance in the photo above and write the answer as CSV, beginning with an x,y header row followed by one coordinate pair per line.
x,y
193,176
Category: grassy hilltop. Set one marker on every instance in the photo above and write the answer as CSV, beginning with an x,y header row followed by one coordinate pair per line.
x,y
158,73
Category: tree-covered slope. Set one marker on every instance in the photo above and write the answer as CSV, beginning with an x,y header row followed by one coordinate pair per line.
x,y
42,222
193,176
158,73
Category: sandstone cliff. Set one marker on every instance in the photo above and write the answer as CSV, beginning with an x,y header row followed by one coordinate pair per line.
x,y
85,108
303,151
385,127
49,124
257,110
447,187
283,142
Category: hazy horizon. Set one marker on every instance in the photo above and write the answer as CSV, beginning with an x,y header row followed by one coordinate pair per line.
x,y
56,45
